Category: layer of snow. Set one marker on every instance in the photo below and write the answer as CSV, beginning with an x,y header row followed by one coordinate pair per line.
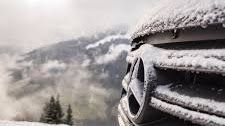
x,y
213,59
120,121
196,117
12,123
131,59
114,52
196,59
106,40
123,111
125,81
179,14
212,106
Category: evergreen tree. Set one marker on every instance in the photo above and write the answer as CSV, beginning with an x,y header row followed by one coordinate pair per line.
x,y
52,112
48,115
69,116
59,112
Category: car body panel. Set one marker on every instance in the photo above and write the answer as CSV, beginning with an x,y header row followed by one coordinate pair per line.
x,y
198,33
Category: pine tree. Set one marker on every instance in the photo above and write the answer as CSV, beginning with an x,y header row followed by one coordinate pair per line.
x,y
59,112
69,116
52,112
48,115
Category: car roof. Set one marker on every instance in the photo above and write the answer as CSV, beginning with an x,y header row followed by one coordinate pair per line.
x,y
180,14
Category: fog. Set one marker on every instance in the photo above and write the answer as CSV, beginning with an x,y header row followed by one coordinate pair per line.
x,y
21,100
33,23
26,86
26,25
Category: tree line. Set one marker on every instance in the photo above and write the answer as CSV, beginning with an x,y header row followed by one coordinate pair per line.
x,y
53,113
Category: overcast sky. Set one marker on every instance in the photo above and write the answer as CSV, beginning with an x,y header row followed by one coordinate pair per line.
x,y
34,23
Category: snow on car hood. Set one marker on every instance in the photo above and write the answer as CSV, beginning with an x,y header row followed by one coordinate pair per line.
x,y
178,14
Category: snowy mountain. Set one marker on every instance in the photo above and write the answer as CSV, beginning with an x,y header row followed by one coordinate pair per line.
x,y
98,54
86,72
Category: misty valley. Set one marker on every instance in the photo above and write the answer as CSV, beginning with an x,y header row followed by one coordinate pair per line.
x,y
112,63
85,72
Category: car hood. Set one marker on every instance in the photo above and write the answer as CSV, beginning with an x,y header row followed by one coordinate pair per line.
x,y
180,14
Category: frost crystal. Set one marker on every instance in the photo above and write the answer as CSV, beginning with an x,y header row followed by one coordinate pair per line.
x,y
180,14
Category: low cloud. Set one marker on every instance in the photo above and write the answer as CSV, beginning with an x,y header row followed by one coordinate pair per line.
x,y
23,99
33,23
114,52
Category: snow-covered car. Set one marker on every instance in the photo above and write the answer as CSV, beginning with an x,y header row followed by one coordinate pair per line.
x,y
176,66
